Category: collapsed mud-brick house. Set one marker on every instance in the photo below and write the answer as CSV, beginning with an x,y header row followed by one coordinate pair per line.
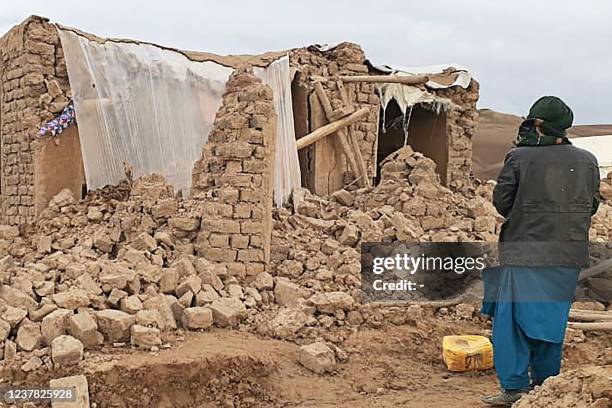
x,y
238,132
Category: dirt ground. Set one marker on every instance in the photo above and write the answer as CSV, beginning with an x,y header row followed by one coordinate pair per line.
x,y
387,367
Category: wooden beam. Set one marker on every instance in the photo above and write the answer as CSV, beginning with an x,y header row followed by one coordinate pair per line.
x,y
363,170
589,316
342,134
599,326
596,270
330,128
387,79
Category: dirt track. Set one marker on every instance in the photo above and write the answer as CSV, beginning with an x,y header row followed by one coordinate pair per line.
x,y
387,367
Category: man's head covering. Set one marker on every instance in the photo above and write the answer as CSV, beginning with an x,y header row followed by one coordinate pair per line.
x,y
556,118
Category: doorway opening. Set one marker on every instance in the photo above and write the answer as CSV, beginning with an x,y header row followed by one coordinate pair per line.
x,y
421,127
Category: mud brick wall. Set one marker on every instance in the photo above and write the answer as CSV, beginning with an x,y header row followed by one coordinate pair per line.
x,y
461,121
234,178
33,89
324,161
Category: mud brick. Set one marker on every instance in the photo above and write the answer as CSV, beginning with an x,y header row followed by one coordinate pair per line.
x,y
218,240
240,241
254,166
250,255
251,227
254,268
229,194
242,210
223,226
219,254
236,269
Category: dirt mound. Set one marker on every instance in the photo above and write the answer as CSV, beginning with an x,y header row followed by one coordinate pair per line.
x,y
586,387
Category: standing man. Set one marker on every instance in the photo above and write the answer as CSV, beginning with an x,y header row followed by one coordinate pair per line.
x,y
547,191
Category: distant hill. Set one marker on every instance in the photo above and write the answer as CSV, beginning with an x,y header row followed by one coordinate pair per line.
x,y
495,133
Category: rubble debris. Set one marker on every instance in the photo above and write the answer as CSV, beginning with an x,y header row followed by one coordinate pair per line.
x,y
584,387
66,350
81,389
317,357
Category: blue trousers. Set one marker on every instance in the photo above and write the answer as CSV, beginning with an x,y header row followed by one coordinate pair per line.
x,y
516,355
530,308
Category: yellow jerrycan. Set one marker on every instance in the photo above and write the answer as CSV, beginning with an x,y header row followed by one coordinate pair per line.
x,y
467,353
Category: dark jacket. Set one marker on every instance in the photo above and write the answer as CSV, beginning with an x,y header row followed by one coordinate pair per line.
x,y
547,195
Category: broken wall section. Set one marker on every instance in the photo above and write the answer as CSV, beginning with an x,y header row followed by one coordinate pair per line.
x,y
34,89
461,121
234,178
325,165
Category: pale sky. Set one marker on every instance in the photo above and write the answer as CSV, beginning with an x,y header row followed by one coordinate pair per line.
x,y
519,50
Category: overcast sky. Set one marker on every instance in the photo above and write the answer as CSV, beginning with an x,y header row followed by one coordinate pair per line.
x,y
517,49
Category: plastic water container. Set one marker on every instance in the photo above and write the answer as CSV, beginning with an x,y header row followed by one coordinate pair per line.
x,y
467,353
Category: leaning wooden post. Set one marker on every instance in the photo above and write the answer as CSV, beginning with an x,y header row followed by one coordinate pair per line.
x,y
342,134
331,128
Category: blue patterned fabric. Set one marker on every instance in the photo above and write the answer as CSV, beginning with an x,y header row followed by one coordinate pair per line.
x,y
60,123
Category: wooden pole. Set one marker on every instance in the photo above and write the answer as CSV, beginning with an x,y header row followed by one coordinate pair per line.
x,y
330,128
342,135
603,326
388,79
588,316
596,270
360,162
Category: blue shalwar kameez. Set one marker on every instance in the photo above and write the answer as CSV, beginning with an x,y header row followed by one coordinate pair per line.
x,y
530,308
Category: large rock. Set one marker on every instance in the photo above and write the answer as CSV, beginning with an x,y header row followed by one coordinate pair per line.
x,y
5,329
114,325
84,327
150,318
264,281
317,357
145,336
164,308
81,389
14,315
72,299
287,293
16,298
195,318
131,304
228,312
66,350
329,302
192,283
287,323
168,280
28,336
55,324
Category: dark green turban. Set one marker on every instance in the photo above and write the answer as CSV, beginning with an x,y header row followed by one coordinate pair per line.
x,y
556,118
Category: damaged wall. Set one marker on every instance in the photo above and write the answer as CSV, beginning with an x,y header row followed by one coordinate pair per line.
x,y
34,87
461,123
324,158
234,178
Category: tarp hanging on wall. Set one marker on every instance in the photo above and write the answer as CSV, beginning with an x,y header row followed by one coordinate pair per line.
x,y
150,107
286,167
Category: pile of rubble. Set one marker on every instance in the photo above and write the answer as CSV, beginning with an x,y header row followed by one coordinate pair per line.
x,y
121,266
601,229
586,387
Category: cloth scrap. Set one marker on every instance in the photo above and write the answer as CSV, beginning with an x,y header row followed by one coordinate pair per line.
x,y
56,126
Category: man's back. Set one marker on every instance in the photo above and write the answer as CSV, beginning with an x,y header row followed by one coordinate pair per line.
x,y
547,194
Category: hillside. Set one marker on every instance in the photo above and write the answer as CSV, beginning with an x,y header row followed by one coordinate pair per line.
x,y
494,136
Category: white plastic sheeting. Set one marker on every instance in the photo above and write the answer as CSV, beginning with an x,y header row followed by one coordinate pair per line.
x,y
601,147
286,167
140,104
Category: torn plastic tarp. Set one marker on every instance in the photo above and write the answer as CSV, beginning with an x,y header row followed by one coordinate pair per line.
x,y
140,104
286,167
